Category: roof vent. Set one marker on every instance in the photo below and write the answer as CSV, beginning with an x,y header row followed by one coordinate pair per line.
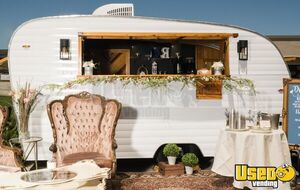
x,y
126,9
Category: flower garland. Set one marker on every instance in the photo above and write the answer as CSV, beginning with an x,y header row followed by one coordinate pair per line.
x,y
157,81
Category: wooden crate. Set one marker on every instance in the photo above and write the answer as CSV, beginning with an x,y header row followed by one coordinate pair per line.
x,y
167,170
209,89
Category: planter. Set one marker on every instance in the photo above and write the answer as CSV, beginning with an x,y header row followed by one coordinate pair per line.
x,y
218,70
168,170
171,160
88,70
188,170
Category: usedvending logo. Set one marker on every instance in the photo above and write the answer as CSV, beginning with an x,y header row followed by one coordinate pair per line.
x,y
264,176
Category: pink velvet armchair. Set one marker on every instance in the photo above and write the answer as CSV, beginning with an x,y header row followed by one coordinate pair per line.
x,y
10,158
84,128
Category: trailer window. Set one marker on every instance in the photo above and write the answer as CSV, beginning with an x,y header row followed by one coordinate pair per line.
x,y
133,54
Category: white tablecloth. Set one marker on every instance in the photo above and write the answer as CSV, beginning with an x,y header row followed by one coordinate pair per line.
x,y
253,149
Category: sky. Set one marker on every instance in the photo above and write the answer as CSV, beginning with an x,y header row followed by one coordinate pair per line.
x,y
268,17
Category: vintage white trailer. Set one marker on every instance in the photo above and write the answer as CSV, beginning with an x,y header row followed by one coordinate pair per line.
x,y
149,117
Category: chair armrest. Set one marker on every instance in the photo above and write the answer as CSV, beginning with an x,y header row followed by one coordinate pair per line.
x,y
16,150
10,156
53,148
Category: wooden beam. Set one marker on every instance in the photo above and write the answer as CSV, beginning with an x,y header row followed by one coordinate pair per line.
x,y
219,77
227,58
152,35
3,60
80,55
289,59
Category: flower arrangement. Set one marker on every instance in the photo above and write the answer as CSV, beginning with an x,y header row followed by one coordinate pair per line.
x,y
25,100
218,68
218,64
88,67
89,64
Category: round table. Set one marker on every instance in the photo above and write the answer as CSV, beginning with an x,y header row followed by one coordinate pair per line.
x,y
251,148
32,144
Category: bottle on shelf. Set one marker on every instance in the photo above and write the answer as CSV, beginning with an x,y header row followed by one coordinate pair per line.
x,y
178,64
154,68
190,65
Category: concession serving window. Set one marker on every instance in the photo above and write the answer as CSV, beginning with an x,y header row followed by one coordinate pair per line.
x,y
135,53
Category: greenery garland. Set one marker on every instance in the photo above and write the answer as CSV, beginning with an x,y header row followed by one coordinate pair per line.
x,y
238,83
153,82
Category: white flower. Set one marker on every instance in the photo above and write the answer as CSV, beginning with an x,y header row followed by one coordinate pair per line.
x,y
244,88
26,100
217,64
88,64
17,95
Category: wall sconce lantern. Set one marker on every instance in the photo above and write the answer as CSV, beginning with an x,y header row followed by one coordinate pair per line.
x,y
65,53
242,48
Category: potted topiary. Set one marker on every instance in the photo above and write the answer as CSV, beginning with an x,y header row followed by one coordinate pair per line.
x,y
171,151
189,160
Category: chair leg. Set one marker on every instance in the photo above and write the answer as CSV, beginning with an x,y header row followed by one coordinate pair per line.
x,y
114,169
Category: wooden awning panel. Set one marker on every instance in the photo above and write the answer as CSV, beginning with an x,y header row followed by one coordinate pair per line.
x,y
3,60
175,36
289,59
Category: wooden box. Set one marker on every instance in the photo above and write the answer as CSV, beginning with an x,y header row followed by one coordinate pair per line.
x,y
167,170
209,89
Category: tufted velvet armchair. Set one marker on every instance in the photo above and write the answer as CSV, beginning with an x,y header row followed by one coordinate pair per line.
x,y
84,128
10,158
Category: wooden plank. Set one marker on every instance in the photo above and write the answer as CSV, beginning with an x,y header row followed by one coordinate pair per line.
x,y
3,60
209,90
151,35
162,75
120,58
226,63
80,56
289,59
